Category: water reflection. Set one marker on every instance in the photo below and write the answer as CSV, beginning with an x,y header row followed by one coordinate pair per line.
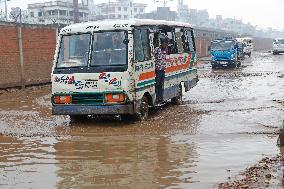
x,y
221,127
281,177
27,162
122,162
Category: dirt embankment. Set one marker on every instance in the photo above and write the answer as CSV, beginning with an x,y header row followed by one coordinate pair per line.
x,y
267,173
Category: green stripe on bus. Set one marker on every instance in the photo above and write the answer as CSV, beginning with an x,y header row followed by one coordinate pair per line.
x,y
152,81
192,59
144,83
179,74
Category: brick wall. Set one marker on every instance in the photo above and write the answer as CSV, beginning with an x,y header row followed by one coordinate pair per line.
x,y
198,45
262,43
38,47
9,57
38,50
202,44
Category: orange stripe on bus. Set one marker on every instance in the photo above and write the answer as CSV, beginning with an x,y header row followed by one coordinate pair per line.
x,y
179,67
152,74
147,75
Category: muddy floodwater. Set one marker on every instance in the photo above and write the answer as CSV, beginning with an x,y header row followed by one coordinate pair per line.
x,y
227,123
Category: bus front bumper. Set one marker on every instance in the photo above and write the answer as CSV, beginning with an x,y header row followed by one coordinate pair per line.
x,y
92,109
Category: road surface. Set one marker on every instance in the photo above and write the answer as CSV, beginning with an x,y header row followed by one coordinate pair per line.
x,y
227,123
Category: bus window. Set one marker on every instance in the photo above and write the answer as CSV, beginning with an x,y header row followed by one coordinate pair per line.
x,y
109,48
185,43
138,47
179,43
142,49
146,44
74,50
190,40
170,35
171,45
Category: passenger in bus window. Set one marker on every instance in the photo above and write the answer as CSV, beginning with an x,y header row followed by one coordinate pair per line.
x,y
81,46
117,48
185,42
160,65
171,45
117,41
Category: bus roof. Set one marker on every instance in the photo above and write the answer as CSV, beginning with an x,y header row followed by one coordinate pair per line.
x,y
118,25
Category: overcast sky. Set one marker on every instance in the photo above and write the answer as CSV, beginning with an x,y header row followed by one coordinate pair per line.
x,y
263,13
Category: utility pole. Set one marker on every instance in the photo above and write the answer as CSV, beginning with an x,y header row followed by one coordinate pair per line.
x,y
108,9
76,11
6,11
163,1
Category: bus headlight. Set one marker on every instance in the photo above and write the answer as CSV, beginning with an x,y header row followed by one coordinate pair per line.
x,y
62,99
115,98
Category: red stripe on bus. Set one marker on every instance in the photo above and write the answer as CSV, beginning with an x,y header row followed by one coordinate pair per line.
x,y
179,67
147,75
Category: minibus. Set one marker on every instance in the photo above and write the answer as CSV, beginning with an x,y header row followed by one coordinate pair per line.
x,y
108,67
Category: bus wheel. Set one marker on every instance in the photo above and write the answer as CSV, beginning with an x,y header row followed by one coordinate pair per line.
x,y
143,113
178,99
235,64
77,118
239,64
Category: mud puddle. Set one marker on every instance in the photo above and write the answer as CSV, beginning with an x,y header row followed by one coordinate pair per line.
x,y
227,124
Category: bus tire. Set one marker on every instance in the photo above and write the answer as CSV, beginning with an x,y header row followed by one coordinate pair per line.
x,y
125,117
235,64
143,112
77,118
178,99
239,64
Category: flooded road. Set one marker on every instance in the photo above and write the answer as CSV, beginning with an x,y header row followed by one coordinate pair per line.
x,y
227,123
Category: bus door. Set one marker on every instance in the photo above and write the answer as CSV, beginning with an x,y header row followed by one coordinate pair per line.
x,y
144,66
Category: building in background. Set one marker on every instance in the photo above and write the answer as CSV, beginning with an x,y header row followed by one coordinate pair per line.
x,y
202,17
91,6
120,9
60,11
162,13
183,12
193,17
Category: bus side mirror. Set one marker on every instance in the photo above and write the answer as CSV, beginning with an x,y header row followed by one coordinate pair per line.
x,y
209,48
126,41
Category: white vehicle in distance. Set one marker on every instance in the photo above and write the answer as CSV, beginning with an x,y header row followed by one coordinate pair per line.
x,y
248,45
278,46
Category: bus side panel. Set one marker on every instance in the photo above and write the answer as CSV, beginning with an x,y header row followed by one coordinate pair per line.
x,y
192,78
145,80
144,77
180,68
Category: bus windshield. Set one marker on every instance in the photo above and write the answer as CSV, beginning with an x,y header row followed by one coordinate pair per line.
x,y
109,48
74,51
222,45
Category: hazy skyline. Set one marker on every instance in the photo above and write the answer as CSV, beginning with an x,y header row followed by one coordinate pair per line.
x,y
261,13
